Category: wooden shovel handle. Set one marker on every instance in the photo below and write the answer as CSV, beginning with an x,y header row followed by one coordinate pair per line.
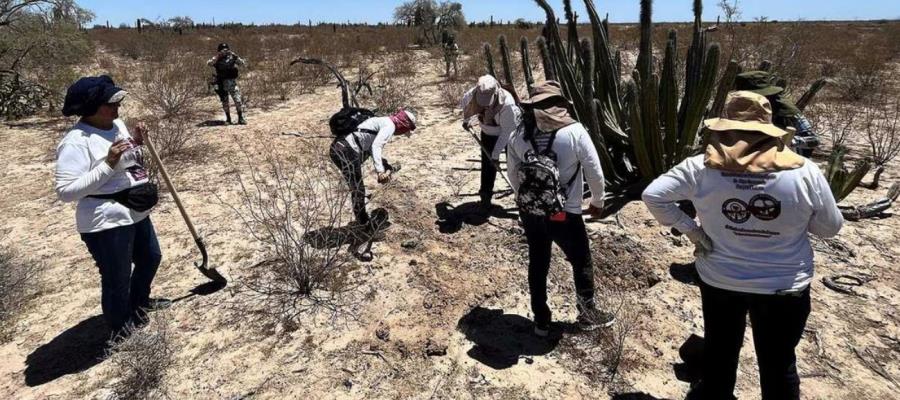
x,y
165,175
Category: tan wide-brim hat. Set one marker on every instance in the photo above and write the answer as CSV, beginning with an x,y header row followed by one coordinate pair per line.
x,y
544,91
746,111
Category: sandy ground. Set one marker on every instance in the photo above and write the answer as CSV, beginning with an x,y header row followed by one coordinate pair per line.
x,y
442,278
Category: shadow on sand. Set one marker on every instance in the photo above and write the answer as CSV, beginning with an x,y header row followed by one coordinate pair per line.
x,y
502,339
452,218
75,350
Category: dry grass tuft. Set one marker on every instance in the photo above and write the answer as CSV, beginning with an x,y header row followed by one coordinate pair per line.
x,y
141,360
17,285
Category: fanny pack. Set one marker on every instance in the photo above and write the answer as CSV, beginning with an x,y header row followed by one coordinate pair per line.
x,y
139,198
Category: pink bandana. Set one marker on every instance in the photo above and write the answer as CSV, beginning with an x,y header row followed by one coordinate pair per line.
x,y
402,123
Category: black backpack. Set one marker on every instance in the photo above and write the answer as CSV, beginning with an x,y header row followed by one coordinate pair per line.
x,y
540,193
226,67
347,120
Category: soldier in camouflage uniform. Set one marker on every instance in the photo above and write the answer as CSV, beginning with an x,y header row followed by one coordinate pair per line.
x,y
451,52
226,64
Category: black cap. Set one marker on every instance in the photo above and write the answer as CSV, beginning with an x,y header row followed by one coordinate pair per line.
x,y
223,46
86,95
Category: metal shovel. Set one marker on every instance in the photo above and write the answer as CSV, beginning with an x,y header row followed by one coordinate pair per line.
x,y
203,266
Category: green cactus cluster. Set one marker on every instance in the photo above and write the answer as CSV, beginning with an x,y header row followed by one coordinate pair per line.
x,y
842,180
643,126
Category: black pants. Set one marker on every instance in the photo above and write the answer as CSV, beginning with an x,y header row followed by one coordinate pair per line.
x,y
571,236
777,322
488,171
349,162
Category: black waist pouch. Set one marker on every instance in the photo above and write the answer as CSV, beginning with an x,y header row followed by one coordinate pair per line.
x,y
139,198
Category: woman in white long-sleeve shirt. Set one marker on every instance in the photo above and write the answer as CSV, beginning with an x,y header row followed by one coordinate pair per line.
x,y
757,203
99,166
349,152
499,117
549,127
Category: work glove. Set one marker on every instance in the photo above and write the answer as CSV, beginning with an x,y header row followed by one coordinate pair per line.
x,y
384,177
703,245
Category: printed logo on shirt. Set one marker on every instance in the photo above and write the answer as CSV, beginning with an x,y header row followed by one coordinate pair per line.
x,y
765,207
736,211
762,206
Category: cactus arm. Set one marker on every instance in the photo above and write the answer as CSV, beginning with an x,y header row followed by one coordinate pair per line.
x,y
526,64
726,84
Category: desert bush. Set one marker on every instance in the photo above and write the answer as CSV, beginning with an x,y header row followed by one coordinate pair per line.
x,y
172,90
862,78
452,91
882,125
294,207
40,46
835,120
141,359
603,354
391,93
17,285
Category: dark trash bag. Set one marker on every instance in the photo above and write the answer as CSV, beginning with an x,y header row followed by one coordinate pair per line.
x,y
139,198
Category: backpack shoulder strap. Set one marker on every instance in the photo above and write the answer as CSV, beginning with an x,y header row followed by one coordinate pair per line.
x,y
550,143
369,131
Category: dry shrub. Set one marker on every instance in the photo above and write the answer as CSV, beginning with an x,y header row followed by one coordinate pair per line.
x,y
882,126
173,89
403,64
17,285
456,180
141,359
391,93
295,206
452,91
603,353
834,120
861,79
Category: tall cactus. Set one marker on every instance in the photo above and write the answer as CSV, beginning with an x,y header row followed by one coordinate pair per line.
x,y
489,57
526,64
504,60
643,126
549,70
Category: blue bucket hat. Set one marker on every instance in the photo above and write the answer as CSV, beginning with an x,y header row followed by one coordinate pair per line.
x,y
86,95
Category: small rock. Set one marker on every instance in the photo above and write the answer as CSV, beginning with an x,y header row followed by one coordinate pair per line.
x,y
348,384
433,348
383,332
413,263
410,244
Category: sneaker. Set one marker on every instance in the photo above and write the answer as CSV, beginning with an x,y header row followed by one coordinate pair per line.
x,y
542,330
590,318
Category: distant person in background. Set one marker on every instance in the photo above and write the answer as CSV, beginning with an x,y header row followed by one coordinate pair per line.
x,y
499,117
451,52
785,114
757,202
226,64
100,165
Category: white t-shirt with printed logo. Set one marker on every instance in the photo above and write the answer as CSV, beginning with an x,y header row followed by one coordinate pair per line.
x,y
82,171
759,223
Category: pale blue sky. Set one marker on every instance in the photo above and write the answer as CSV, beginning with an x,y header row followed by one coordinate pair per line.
x,y
373,11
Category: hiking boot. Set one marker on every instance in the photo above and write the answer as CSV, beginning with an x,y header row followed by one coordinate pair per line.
x,y
590,318
541,330
242,121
